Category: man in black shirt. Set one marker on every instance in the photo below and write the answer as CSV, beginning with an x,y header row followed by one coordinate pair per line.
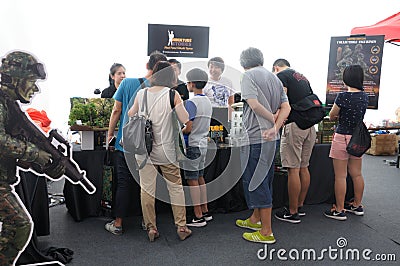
x,y
296,143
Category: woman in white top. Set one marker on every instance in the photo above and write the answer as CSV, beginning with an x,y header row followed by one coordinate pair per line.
x,y
163,154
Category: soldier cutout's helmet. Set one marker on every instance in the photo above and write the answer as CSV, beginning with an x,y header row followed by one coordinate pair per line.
x,y
22,65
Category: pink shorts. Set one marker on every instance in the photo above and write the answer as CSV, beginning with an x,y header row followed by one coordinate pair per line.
x,y
338,148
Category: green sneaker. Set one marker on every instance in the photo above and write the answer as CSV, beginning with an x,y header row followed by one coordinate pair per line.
x,y
247,224
259,238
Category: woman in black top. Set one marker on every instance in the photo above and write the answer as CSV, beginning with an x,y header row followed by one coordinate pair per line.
x,y
117,74
349,108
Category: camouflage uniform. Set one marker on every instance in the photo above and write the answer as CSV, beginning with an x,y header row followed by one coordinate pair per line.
x,y
15,222
16,225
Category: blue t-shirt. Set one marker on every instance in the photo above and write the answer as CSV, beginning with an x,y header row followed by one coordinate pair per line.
x,y
126,94
192,110
352,109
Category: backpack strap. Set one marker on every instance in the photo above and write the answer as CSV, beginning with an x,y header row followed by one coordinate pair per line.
x,y
141,80
172,93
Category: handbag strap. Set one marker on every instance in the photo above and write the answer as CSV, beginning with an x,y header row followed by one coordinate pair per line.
x,y
172,98
144,105
142,86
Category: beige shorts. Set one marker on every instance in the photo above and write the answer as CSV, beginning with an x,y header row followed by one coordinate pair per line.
x,y
296,146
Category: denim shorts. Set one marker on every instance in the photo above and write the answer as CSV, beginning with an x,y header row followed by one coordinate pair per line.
x,y
257,160
194,165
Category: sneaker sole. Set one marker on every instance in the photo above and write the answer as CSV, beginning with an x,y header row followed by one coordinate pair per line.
x,y
336,217
197,224
287,220
208,219
260,241
301,213
355,212
248,227
114,233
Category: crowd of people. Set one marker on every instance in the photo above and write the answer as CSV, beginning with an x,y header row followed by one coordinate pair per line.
x,y
266,97
266,100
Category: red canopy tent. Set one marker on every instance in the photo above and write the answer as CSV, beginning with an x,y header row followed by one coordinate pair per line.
x,y
390,27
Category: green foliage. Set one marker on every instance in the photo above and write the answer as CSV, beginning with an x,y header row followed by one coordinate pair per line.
x,y
94,112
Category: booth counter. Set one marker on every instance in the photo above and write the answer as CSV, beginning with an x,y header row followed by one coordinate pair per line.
x,y
225,162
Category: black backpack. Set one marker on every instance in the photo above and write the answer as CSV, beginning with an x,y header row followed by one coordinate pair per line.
x,y
307,112
360,140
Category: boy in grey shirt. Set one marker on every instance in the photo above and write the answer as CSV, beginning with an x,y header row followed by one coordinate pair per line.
x,y
196,130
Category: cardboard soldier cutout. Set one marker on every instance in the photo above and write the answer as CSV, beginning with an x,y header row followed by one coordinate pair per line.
x,y
24,146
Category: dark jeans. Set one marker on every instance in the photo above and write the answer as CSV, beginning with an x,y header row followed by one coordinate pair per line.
x,y
127,194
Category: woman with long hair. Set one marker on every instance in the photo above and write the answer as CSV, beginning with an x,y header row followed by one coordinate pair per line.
x,y
163,154
117,74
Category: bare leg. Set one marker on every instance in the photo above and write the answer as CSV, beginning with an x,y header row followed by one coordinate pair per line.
x,y
266,227
294,187
203,194
305,184
118,221
340,168
195,194
255,216
355,166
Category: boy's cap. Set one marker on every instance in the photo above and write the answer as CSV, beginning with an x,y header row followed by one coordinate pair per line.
x,y
196,74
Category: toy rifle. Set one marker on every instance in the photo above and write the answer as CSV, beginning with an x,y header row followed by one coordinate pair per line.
x,y
22,127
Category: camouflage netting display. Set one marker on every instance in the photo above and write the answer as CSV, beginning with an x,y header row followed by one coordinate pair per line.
x,y
93,112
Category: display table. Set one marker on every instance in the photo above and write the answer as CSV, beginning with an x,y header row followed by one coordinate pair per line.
x,y
321,188
225,163
79,203
384,128
224,170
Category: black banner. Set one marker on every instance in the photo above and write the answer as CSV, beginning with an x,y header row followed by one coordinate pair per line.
x,y
365,51
178,41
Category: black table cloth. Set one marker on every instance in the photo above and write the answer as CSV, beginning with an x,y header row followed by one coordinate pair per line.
x,y
79,203
226,162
